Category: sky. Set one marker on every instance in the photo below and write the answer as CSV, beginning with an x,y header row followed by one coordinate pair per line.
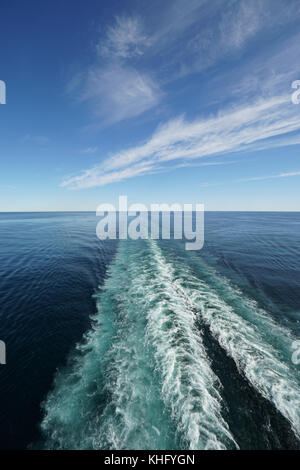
x,y
166,101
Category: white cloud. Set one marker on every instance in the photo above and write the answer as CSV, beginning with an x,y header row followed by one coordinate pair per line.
x,y
241,23
255,178
224,29
268,177
115,89
125,38
118,92
192,37
90,150
137,55
206,32
38,139
234,130
94,178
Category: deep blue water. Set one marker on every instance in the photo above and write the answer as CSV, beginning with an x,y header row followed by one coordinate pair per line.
x,y
175,349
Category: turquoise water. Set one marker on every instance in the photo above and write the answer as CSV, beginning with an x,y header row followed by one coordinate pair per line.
x,y
183,350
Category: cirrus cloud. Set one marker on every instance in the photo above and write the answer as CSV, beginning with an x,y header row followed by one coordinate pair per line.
x,y
233,130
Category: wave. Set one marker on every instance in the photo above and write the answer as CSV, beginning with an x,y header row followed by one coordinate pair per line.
x,y
142,377
260,347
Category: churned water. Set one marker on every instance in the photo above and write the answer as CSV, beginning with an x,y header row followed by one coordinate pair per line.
x,y
143,345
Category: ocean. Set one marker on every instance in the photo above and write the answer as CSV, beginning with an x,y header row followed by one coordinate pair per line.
x,y
144,345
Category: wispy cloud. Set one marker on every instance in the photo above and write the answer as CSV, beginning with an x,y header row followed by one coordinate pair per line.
x,y
137,57
125,38
209,33
207,184
90,150
120,84
119,92
114,86
234,130
241,22
216,31
269,177
38,139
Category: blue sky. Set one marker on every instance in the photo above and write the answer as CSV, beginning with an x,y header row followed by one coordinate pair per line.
x,y
162,101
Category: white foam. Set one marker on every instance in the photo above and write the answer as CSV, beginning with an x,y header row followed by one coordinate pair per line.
x,y
189,385
146,356
244,335
142,378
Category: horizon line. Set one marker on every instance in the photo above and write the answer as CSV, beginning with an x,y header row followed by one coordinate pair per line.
x,y
91,211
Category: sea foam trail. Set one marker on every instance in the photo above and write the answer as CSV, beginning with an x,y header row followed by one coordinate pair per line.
x,y
106,397
141,378
189,387
260,347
